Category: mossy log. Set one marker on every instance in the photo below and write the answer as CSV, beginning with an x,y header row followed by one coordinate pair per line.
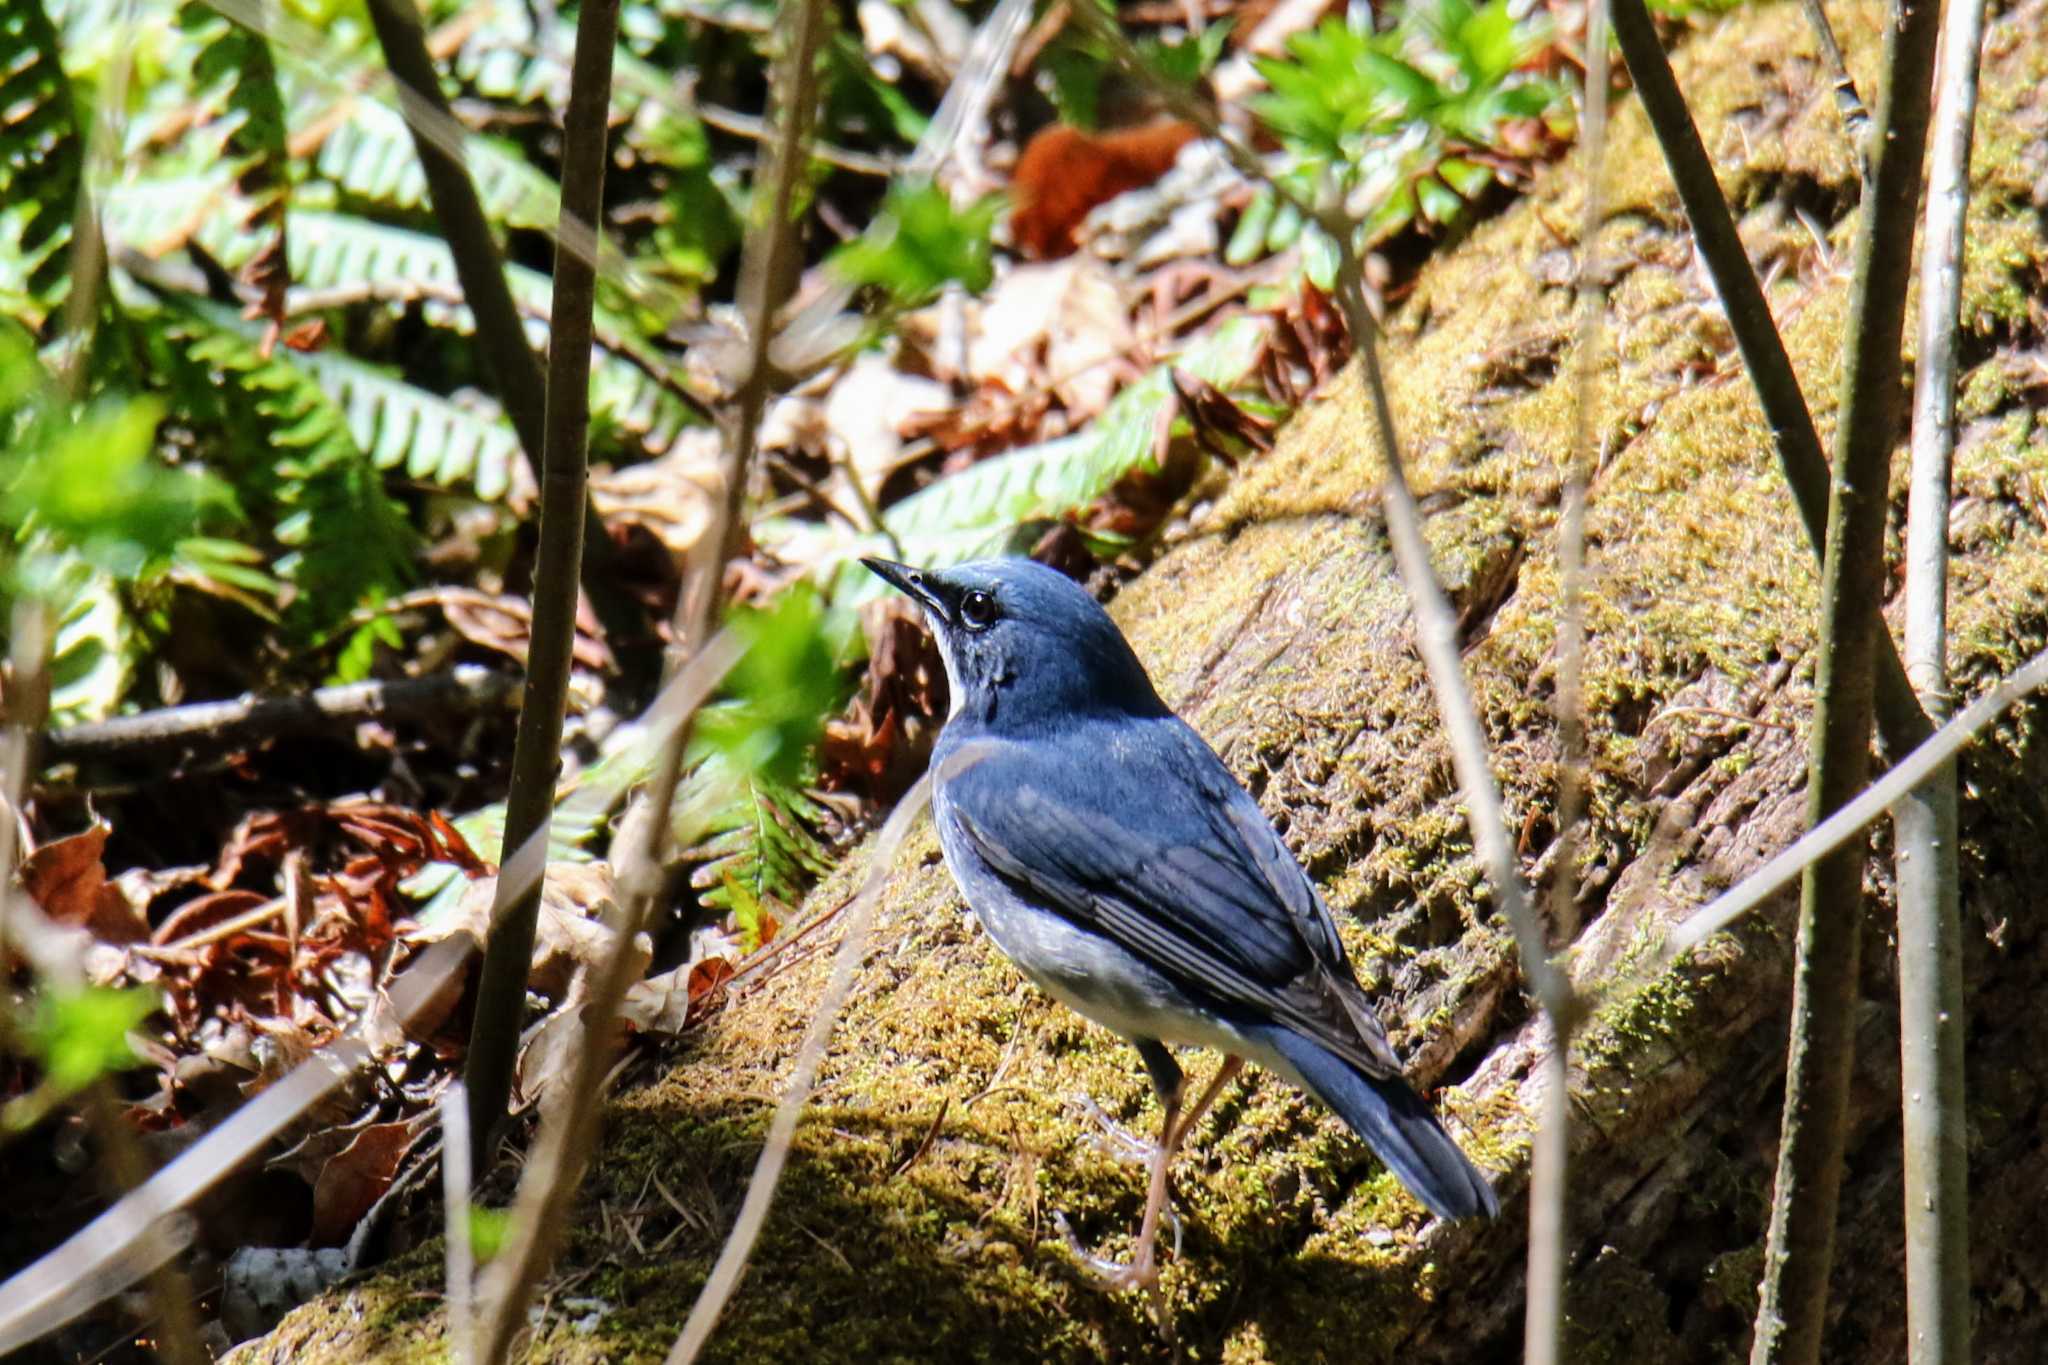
x,y
916,1220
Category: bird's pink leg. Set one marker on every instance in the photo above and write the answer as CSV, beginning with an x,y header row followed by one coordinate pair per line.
x,y
1231,1066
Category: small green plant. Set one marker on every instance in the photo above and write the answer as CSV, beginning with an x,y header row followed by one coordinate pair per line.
x,y
76,1035
1409,124
744,807
920,244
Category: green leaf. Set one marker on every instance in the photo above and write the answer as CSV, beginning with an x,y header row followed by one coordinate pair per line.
x,y
488,1231
295,460
371,155
80,1034
919,244
41,153
96,648
239,90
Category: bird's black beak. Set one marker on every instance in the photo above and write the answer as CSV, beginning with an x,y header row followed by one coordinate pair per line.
x,y
915,583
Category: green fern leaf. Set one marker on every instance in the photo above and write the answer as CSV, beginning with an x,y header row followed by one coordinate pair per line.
x,y
41,154
762,849
345,543
1000,505
239,89
339,251
370,154
96,648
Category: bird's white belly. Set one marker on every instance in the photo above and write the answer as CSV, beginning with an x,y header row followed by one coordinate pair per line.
x,y
1100,980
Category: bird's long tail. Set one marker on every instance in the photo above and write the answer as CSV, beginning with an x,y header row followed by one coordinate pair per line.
x,y
1396,1123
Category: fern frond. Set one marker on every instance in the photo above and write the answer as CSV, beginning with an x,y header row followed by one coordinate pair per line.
x,y
239,91
337,251
345,541
41,153
370,154
96,648
430,438
998,505
758,844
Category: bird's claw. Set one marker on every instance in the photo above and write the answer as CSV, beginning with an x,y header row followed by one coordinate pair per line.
x,y
1118,1142
1140,1272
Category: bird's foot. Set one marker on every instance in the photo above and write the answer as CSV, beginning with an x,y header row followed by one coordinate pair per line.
x,y
1119,1142
1114,1276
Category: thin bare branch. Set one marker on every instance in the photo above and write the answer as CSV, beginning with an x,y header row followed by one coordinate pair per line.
x,y
220,726
1931,1005
537,750
767,274
1849,104
1799,1252
481,270
1549,1165
1901,722
739,1245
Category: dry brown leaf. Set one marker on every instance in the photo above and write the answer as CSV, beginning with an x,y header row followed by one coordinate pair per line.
x,y
673,498
672,1001
355,1178
68,879
1065,327
570,933
504,623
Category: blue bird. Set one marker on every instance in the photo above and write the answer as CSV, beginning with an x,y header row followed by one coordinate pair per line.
x,y
1115,860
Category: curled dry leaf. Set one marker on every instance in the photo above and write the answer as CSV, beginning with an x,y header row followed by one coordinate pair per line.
x,y
1216,417
356,1177
673,498
869,410
880,745
570,934
68,879
674,1000
504,623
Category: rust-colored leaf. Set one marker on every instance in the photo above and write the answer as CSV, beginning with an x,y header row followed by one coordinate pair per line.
x,y
1064,173
68,878
355,1178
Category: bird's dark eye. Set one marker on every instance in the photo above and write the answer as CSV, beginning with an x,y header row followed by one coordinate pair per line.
x,y
978,610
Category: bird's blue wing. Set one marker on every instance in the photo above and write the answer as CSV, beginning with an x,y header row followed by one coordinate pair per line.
x,y
1139,833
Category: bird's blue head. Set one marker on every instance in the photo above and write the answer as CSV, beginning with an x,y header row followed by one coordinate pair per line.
x,y
1024,644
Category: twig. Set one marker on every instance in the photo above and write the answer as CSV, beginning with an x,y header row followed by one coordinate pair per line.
x,y
1900,720
568,1130
739,1246
1855,118
461,216
1799,1253
455,1210
1549,1166
499,335
222,726
215,933
1931,1004
536,754
746,125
